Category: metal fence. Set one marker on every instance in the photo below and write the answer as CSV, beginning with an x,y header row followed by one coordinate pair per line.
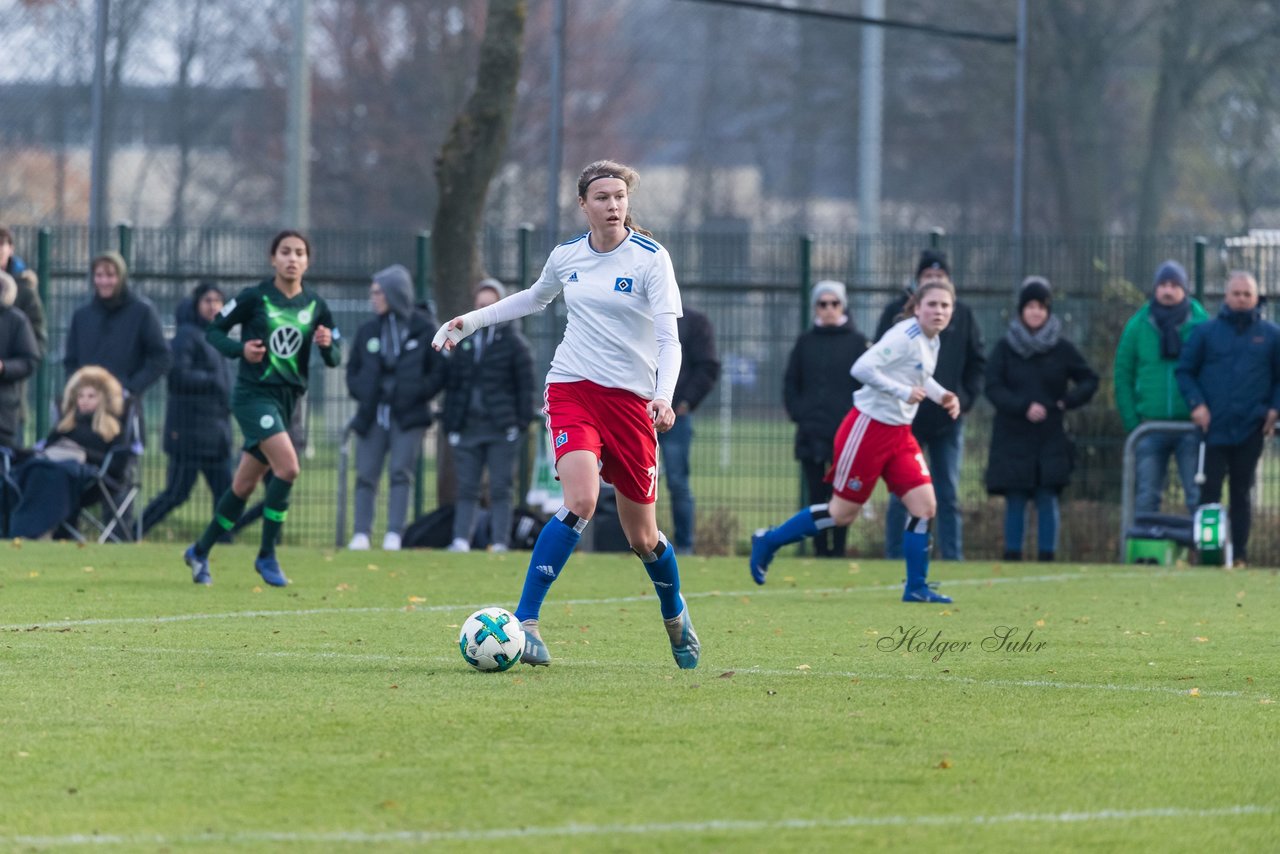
x,y
755,290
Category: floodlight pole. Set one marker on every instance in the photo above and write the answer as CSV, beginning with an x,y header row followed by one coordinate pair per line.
x,y
98,177
297,173
1020,141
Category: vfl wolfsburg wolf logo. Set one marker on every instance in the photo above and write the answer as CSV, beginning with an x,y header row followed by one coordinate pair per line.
x,y
288,334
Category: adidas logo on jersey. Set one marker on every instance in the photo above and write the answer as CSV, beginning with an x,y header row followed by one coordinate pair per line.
x,y
573,277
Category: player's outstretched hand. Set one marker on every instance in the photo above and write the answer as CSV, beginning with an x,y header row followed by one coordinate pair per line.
x,y
323,336
664,417
451,333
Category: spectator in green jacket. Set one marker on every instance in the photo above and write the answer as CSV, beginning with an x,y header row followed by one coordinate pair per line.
x,y
1146,389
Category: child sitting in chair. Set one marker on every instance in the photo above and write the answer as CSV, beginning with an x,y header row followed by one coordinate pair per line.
x,y
52,480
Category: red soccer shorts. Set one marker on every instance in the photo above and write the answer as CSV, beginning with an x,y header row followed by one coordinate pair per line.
x,y
614,425
867,450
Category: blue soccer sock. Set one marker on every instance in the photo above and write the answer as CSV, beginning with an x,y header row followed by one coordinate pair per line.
x,y
665,575
806,523
550,554
915,548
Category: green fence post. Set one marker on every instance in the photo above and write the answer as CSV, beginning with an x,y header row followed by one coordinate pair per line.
x,y
422,289
422,266
124,240
524,473
41,403
1201,243
806,279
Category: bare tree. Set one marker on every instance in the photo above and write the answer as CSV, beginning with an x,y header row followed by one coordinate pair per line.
x,y
1198,42
471,155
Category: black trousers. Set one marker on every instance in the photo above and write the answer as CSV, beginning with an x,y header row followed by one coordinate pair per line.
x,y
829,542
1239,464
182,475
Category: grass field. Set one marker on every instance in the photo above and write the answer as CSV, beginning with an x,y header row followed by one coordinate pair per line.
x,y
1120,709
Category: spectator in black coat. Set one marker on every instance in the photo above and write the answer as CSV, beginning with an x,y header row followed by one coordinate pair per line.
x,y
818,391
27,300
393,373
488,405
53,481
197,420
118,330
19,355
961,361
1034,376
699,370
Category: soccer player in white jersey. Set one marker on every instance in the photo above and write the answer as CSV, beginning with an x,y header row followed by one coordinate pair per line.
x,y
608,393
875,441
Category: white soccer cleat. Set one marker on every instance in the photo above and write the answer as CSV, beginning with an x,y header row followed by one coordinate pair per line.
x,y
359,543
391,542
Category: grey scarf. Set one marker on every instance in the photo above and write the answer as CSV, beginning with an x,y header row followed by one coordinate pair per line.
x,y
1027,343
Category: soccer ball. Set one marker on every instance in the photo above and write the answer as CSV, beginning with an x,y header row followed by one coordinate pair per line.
x,y
492,639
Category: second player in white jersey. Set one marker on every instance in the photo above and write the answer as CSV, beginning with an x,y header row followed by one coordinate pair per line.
x,y
903,360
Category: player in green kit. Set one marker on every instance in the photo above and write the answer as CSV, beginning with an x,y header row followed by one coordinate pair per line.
x,y
278,318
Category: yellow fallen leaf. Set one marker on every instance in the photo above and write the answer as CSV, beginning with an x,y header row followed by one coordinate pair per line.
x,y
1039,624
1266,701
257,588
803,667
33,574
1194,692
417,599
344,586
88,569
372,566
944,764
1201,640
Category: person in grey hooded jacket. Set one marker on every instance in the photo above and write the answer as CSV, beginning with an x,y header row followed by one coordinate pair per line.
x,y
392,373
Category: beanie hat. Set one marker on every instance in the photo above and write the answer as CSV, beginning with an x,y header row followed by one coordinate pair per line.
x,y
205,287
1171,271
490,284
397,287
932,259
827,286
1035,289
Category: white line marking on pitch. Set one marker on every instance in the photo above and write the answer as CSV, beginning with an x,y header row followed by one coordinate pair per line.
x,y
617,600
649,829
743,671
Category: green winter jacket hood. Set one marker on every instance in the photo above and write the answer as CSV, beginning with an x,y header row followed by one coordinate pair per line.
x,y
1146,389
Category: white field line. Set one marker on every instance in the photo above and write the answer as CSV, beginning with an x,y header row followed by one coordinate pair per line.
x,y
616,600
421,837
711,673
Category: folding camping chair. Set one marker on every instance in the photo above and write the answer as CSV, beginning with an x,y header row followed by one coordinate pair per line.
x,y
107,504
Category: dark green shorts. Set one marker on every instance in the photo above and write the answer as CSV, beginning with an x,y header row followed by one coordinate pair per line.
x,y
262,412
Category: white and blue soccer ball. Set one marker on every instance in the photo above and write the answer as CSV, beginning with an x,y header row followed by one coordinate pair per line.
x,y
491,640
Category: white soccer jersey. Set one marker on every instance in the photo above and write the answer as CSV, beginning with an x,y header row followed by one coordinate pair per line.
x,y
904,358
612,298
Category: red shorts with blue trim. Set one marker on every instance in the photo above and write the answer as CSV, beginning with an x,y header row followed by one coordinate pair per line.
x,y
613,424
866,450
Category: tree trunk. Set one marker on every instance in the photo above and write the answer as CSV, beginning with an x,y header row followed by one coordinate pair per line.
x,y
470,157
466,165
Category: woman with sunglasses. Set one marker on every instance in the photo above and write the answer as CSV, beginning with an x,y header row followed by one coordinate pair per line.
x,y
817,390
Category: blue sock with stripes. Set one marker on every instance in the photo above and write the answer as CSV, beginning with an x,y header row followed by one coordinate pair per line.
x,y
550,554
665,575
915,548
806,523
